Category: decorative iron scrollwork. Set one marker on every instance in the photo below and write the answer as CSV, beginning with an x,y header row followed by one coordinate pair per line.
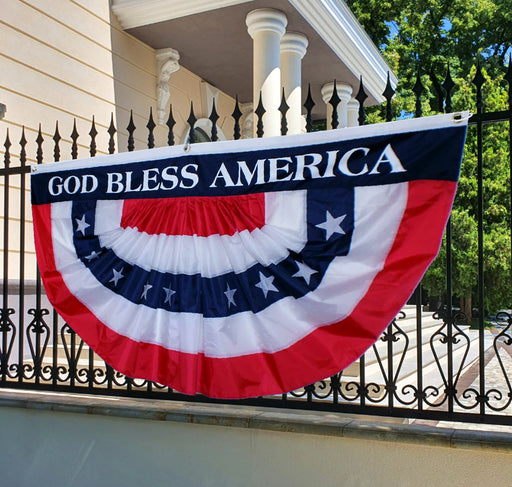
x,y
8,334
38,336
449,334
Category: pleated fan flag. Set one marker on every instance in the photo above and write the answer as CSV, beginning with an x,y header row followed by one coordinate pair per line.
x,y
251,267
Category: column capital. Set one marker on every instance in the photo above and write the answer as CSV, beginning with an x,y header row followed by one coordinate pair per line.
x,y
266,19
294,42
344,91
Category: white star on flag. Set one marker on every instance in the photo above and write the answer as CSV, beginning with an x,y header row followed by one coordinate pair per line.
x,y
265,284
229,295
81,225
168,294
144,294
92,255
117,275
332,225
304,271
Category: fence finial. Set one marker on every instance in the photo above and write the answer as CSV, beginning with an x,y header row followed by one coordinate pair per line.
x,y
214,116
7,145
308,105
170,124
111,130
361,97
191,120
151,127
448,86
56,140
260,111
237,115
388,94
39,142
74,138
334,102
93,133
283,109
131,129
418,90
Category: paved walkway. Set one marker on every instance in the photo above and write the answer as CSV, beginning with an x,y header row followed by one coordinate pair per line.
x,y
497,386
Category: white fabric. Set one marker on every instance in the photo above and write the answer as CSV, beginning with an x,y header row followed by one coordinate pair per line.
x,y
285,229
378,212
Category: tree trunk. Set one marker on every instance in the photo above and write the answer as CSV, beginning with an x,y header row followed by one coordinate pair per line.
x,y
465,307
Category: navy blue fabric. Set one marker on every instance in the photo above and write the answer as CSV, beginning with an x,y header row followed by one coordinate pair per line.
x,y
424,155
197,294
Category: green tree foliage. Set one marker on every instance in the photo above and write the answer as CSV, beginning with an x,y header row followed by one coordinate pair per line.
x,y
422,38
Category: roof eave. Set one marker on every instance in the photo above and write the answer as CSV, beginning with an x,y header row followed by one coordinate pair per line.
x,y
136,13
342,32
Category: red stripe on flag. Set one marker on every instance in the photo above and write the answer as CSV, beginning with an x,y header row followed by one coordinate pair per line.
x,y
201,216
321,354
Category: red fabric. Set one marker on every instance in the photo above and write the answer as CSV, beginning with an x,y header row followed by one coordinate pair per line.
x,y
202,216
321,354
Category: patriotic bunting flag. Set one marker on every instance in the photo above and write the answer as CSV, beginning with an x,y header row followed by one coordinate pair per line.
x,y
245,268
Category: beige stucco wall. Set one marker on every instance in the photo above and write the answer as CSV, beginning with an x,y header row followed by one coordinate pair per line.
x,y
67,449
68,60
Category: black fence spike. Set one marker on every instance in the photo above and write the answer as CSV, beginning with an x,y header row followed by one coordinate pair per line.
x,y
388,94
74,138
131,130
237,115
508,78
361,97
56,140
39,142
151,128
418,90
478,81
93,133
191,120
7,154
283,108
448,86
170,125
439,92
260,111
23,145
214,116
308,105
111,131
334,102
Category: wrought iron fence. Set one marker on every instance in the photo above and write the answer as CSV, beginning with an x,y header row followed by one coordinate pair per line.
x,y
428,365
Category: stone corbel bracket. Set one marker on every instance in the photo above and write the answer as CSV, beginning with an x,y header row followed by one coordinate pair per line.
x,y
167,63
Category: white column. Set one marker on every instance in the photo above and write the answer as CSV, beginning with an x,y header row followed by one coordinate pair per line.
x,y
344,92
293,49
266,27
353,113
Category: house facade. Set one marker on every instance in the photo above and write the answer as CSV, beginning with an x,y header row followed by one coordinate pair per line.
x,y
69,64
64,63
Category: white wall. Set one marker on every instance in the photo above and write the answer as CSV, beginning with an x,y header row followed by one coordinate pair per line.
x,y
64,449
66,61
